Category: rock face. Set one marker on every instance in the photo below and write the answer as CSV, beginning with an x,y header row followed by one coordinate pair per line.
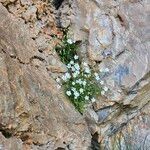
x,y
34,114
117,39
116,33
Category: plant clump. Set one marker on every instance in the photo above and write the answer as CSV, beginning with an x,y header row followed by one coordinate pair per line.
x,y
80,82
66,50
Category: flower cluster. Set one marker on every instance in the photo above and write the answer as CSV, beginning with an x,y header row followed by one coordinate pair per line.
x,y
82,84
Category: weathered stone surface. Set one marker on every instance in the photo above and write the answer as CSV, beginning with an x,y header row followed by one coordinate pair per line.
x,y
30,13
16,47
35,113
133,135
31,107
117,39
112,33
10,144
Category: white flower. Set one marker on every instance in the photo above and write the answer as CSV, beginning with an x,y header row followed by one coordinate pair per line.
x,y
69,66
68,76
75,75
85,64
93,100
76,57
101,82
69,41
73,69
102,92
76,94
79,81
64,78
87,70
57,80
77,67
105,89
68,93
71,62
86,97
73,89
85,75
97,78
81,90
73,83
96,74
84,83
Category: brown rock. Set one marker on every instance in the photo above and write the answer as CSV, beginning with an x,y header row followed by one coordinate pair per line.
x,y
31,108
18,47
30,13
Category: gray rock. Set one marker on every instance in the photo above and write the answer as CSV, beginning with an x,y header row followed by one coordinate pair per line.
x,y
112,33
103,114
117,38
91,116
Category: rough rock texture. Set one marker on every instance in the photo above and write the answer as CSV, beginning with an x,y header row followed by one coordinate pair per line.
x,y
117,37
34,114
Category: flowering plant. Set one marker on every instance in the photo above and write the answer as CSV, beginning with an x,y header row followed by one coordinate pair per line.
x,y
80,82
66,50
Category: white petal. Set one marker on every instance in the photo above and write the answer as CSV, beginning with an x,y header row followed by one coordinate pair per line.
x,y
105,89
73,83
85,64
81,90
97,78
93,100
64,78
77,67
72,68
76,57
69,66
84,83
58,80
87,70
101,82
68,76
86,97
96,74
75,75
71,62
68,93
69,41
102,92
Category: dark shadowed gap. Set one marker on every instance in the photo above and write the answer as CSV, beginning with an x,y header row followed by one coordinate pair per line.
x,y
6,134
59,148
57,3
94,142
